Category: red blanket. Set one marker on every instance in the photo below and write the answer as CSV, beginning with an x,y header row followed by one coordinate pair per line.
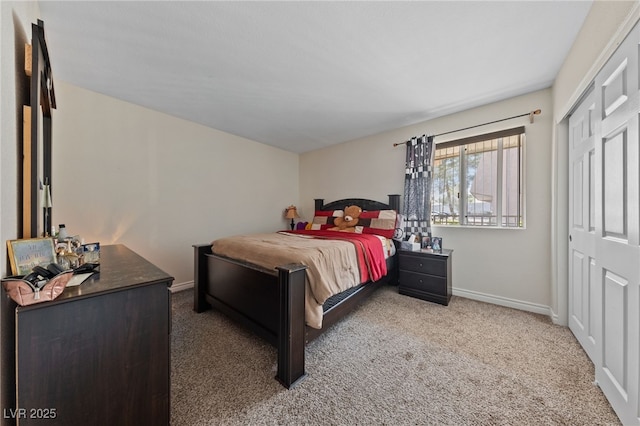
x,y
373,265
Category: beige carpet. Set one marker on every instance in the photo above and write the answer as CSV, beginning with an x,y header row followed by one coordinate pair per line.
x,y
395,360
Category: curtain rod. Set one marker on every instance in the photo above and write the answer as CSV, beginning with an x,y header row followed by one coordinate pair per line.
x,y
530,114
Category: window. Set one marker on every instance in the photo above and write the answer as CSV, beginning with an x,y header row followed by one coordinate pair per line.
x,y
478,181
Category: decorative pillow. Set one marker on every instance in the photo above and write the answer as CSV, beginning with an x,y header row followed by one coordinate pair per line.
x,y
324,219
379,222
400,226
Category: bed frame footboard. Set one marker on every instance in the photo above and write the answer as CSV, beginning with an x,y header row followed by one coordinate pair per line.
x,y
275,312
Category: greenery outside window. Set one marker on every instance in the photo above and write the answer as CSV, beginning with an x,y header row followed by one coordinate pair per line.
x,y
479,181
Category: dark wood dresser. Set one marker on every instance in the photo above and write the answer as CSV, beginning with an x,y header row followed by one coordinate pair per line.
x,y
425,275
97,355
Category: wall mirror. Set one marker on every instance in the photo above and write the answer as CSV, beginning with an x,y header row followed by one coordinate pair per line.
x,y
36,167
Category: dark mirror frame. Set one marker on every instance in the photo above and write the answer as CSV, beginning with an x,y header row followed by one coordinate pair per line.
x,y
37,216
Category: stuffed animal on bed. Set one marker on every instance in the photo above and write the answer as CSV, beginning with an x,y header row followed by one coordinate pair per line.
x,y
347,222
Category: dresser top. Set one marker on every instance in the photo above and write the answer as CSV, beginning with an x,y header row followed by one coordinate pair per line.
x,y
120,268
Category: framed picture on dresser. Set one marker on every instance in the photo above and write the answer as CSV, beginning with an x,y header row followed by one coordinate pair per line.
x,y
24,255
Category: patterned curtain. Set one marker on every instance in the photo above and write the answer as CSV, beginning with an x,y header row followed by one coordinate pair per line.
x,y
417,186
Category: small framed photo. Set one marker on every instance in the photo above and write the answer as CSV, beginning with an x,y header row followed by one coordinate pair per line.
x,y
426,243
436,244
91,253
25,254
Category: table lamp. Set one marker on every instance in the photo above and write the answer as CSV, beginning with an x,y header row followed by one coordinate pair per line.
x,y
291,212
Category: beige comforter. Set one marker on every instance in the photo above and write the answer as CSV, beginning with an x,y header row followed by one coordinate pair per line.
x,y
332,265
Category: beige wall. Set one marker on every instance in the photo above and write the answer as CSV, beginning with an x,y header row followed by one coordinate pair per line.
x,y
15,31
127,174
509,267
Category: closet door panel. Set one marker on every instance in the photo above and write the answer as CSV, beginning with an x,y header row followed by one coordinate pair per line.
x,y
614,184
584,314
616,341
614,87
617,231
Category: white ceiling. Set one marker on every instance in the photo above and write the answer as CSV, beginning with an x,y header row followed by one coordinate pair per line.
x,y
304,75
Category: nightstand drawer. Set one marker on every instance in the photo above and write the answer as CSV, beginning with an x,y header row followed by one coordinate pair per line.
x,y
426,283
424,265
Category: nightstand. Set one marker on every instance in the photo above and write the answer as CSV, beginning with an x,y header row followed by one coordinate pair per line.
x,y
425,275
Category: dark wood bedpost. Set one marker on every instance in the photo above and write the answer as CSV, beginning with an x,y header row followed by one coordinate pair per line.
x,y
319,202
291,325
394,202
200,276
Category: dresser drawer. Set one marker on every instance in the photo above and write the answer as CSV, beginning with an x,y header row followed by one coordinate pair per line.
x,y
425,283
424,265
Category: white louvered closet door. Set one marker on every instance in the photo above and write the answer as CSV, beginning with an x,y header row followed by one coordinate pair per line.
x,y
604,285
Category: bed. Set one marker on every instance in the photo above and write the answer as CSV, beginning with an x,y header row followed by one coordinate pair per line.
x,y
273,304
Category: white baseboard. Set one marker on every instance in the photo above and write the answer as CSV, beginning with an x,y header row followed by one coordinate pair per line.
x,y
555,318
503,301
181,286
469,294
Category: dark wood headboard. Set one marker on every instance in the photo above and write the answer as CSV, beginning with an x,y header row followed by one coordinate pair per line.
x,y
394,204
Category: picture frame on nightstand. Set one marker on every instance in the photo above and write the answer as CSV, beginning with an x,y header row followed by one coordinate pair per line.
x,y
436,244
425,243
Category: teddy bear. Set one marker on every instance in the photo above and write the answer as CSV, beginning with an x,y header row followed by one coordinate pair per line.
x,y
347,222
